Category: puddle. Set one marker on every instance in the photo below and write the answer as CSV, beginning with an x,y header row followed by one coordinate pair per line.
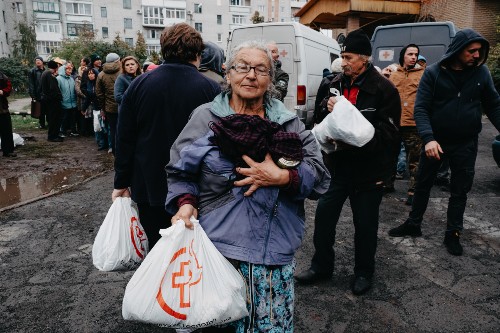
x,y
16,190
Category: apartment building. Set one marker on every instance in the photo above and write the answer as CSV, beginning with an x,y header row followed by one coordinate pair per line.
x,y
56,20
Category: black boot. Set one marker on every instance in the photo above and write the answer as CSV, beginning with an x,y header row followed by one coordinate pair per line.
x,y
406,229
452,242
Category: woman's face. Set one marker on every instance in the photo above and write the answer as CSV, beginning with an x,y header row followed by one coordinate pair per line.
x,y
251,85
130,66
91,75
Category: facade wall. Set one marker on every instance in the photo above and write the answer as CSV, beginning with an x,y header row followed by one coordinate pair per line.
x,y
476,14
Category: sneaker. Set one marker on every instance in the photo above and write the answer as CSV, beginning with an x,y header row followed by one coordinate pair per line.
x,y
452,242
110,150
406,229
399,175
74,134
62,135
58,139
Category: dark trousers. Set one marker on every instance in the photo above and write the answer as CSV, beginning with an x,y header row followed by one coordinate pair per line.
x,y
43,115
54,119
365,209
462,158
68,122
6,133
153,218
112,119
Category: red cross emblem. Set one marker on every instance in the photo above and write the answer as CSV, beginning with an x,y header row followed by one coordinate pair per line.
x,y
283,53
183,278
138,237
386,55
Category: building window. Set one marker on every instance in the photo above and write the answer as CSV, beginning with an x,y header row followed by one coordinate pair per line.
x,y
104,12
153,33
153,48
198,27
47,47
129,41
197,8
175,13
39,6
127,23
219,19
79,8
19,7
48,26
74,29
236,2
262,9
238,19
105,33
219,37
127,4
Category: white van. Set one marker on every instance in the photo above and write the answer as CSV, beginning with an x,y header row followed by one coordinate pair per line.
x,y
304,53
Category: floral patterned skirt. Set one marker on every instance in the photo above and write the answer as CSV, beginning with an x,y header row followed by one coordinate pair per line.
x,y
270,298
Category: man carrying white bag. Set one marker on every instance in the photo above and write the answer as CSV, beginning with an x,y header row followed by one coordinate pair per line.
x,y
345,123
185,283
121,242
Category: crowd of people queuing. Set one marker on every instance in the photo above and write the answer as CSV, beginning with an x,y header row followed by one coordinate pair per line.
x,y
209,137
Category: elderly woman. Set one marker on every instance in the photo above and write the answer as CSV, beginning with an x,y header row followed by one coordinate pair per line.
x,y
130,70
244,165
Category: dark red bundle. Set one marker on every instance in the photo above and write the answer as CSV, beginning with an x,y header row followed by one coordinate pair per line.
x,y
254,136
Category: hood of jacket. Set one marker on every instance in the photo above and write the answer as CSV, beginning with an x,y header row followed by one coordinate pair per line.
x,y
111,67
275,110
461,40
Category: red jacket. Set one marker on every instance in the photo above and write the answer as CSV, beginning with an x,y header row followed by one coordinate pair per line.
x,y
6,87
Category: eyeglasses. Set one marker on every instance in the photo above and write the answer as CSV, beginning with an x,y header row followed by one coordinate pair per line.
x,y
245,68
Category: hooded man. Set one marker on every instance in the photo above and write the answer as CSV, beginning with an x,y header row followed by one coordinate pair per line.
x,y
212,58
451,97
357,172
406,78
105,92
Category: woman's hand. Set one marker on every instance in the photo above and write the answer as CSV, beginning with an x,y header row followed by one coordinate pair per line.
x,y
263,174
184,213
120,192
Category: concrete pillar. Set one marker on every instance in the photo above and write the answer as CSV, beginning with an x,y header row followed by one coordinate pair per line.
x,y
352,22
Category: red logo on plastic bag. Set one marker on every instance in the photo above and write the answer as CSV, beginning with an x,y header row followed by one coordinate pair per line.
x,y
138,236
183,279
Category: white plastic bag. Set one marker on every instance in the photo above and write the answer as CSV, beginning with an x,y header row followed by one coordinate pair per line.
x,y
97,125
185,283
121,242
345,123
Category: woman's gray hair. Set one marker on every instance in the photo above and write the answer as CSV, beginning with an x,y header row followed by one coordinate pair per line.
x,y
258,45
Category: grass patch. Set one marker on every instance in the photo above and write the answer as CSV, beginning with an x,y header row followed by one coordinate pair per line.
x,y
40,149
26,124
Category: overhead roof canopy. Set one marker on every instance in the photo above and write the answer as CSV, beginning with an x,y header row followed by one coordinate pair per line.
x,y
332,14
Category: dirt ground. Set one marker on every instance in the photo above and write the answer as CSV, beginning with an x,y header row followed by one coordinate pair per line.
x,y
38,155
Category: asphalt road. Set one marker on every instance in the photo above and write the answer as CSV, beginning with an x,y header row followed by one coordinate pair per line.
x,y
50,285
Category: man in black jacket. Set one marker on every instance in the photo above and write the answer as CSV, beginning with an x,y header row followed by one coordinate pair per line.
x,y
451,97
357,173
154,110
35,87
51,98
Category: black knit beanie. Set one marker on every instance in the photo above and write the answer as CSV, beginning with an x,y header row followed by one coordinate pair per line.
x,y
52,64
357,41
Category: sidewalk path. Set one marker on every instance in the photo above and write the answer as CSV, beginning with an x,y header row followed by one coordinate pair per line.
x,y
18,106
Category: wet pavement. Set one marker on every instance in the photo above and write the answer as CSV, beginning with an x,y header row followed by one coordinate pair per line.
x,y
50,285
